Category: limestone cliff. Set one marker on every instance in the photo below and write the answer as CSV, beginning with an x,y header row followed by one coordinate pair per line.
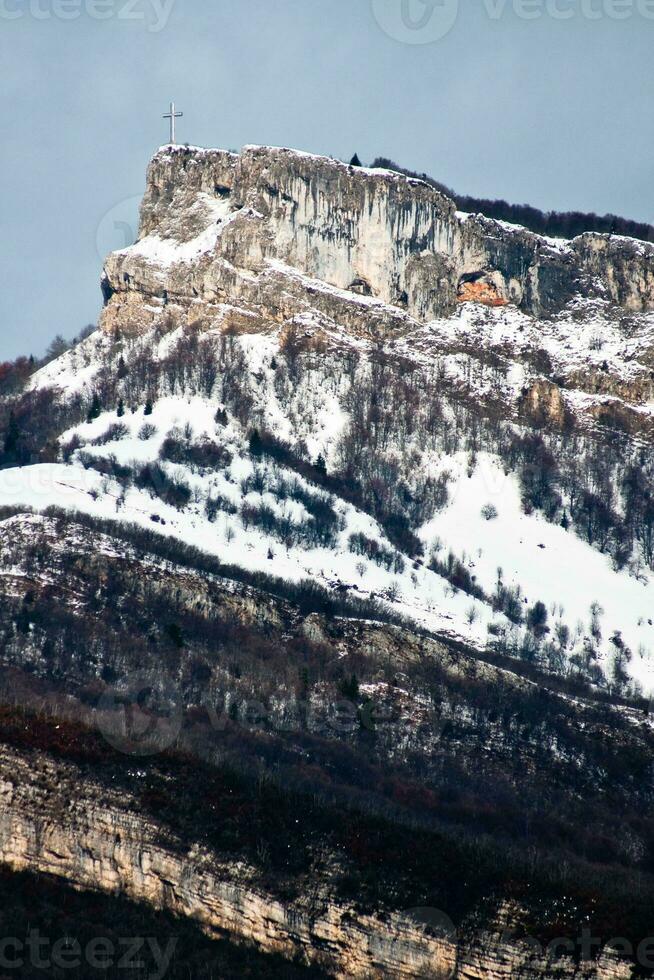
x,y
57,820
216,226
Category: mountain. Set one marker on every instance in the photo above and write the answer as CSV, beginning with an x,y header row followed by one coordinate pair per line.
x,y
326,576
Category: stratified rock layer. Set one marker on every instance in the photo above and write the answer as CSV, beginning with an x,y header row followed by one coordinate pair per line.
x,y
218,228
55,820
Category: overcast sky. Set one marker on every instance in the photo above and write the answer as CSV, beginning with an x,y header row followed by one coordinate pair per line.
x,y
540,101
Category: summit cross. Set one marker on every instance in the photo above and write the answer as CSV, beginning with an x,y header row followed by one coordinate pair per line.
x,y
172,115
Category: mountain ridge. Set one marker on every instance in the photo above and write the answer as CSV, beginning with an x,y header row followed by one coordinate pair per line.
x,y
376,570
402,241
551,222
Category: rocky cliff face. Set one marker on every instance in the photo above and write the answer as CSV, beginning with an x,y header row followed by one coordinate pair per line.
x,y
215,225
272,238
56,820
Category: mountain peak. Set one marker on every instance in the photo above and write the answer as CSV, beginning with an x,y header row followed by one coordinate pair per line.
x,y
215,223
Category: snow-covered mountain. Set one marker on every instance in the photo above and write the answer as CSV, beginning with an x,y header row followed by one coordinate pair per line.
x,y
348,381
349,499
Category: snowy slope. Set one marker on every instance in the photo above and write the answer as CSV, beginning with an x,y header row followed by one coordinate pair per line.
x,y
310,410
547,562
418,593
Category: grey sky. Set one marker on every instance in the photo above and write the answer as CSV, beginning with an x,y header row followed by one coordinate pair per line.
x,y
555,112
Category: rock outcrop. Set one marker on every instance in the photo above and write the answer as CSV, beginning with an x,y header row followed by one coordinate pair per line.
x,y
56,820
543,403
218,227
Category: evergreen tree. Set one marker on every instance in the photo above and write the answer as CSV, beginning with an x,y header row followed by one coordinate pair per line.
x,y
537,618
256,445
95,409
350,688
355,162
12,436
121,408
148,408
175,635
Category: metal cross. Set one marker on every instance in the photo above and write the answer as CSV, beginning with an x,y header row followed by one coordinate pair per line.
x,y
172,115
